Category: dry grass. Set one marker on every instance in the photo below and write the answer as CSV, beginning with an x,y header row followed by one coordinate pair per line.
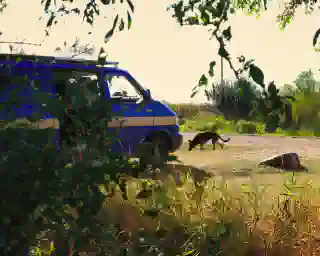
x,y
215,216
228,208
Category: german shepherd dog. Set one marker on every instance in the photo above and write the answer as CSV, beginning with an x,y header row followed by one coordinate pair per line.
x,y
203,138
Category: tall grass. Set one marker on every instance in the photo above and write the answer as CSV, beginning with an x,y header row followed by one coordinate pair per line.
x,y
178,215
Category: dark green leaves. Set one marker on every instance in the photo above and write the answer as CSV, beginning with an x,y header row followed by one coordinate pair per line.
x,y
178,12
205,18
90,11
227,33
121,26
256,74
203,81
194,93
105,2
47,5
316,37
130,5
51,20
223,52
111,31
129,20
211,70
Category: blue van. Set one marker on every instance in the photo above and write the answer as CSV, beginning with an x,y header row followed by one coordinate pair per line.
x,y
140,119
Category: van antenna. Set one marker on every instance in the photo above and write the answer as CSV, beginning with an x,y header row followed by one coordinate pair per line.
x,y
22,42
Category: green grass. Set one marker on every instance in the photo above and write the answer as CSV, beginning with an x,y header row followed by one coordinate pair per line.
x,y
230,127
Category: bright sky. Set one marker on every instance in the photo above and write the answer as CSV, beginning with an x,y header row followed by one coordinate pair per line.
x,y
169,59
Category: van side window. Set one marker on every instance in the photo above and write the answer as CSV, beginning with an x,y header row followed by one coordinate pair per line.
x,y
121,87
88,82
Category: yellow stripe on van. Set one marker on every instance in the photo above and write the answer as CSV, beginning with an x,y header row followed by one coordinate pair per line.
x,y
25,123
165,120
131,121
138,121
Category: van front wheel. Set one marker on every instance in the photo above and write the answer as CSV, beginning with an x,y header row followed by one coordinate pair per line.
x,y
158,152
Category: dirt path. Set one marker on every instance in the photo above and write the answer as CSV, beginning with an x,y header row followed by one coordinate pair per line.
x,y
260,147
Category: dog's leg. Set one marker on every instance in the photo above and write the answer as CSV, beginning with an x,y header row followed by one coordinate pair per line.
x,y
201,147
221,145
213,144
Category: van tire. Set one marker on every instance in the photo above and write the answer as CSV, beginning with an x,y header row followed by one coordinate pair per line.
x,y
159,152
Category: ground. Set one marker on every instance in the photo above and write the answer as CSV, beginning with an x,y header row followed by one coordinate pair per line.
x,y
244,207
238,161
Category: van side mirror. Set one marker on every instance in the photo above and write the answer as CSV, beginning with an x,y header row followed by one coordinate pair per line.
x,y
147,94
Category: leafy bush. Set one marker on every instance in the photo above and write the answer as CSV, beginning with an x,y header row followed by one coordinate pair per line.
x,y
39,195
210,123
249,127
187,111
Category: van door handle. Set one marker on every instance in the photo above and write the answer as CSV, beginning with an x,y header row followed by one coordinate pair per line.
x,y
122,123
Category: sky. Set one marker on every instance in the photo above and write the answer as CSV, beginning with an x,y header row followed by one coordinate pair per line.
x,y
169,59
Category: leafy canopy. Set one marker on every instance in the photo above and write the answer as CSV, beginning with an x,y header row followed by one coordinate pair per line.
x,y
214,14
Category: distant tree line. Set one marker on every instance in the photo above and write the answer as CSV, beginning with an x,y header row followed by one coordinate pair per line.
x,y
292,106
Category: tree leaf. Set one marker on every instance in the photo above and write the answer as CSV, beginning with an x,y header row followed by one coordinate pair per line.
x,y
203,81
47,5
111,31
265,4
315,37
105,2
211,68
193,94
121,26
50,21
129,20
223,52
256,74
205,17
227,33
130,5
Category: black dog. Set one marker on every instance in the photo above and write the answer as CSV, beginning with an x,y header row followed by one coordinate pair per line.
x,y
203,138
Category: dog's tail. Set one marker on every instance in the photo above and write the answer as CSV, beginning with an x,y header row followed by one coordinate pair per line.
x,y
226,140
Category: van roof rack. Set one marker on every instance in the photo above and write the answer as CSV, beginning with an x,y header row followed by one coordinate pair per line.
x,y
52,59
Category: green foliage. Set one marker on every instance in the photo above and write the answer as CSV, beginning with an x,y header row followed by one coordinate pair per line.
x,y
38,194
187,111
256,74
248,127
306,110
239,100
271,106
306,82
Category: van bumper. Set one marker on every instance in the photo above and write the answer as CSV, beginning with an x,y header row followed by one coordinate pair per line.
x,y
177,141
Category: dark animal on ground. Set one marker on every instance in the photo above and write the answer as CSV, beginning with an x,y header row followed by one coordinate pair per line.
x,y
203,138
286,161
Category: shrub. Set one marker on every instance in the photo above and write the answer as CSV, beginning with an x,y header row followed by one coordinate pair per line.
x,y
37,191
210,123
188,111
250,127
